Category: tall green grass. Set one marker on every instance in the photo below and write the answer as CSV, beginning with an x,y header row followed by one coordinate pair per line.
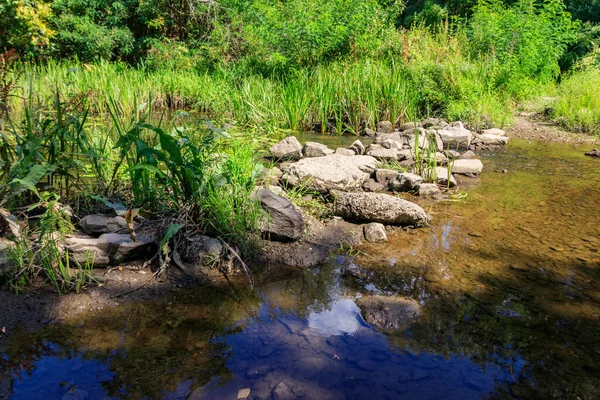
x,y
433,75
578,104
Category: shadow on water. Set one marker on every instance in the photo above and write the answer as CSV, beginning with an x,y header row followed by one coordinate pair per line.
x,y
508,280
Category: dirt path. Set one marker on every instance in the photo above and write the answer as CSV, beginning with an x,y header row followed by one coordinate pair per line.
x,y
533,126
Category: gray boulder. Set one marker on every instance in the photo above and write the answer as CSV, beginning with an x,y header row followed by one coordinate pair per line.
x,y
199,255
98,224
340,151
288,149
282,392
368,132
491,140
391,314
467,155
375,233
407,181
386,177
357,147
110,248
312,149
473,166
331,172
410,125
494,131
386,154
456,136
372,185
441,176
385,127
378,207
282,221
434,123
429,190
272,175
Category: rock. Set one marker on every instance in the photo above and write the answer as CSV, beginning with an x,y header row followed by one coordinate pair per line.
x,y
288,149
344,152
408,181
385,127
272,175
199,255
412,138
392,144
494,131
276,190
5,255
435,123
410,125
389,314
453,154
429,190
368,132
111,248
258,371
357,147
331,172
467,167
282,223
9,224
386,154
378,207
98,224
243,393
593,153
282,392
305,255
441,176
441,158
372,185
386,177
312,149
456,136
375,233
438,141
492,140
467,155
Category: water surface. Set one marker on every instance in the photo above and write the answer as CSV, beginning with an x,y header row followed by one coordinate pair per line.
x,y
508,278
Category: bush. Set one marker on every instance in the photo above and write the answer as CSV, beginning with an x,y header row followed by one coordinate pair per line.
x,y
527,40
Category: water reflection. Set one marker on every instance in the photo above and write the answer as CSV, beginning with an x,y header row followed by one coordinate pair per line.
x,y
342,318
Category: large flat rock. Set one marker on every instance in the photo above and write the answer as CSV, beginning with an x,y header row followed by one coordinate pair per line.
x,y
378,207
334,172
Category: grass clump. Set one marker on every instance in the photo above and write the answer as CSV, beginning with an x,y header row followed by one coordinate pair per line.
x,y
578,105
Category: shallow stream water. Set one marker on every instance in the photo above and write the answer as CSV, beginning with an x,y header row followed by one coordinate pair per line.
x,y
508,276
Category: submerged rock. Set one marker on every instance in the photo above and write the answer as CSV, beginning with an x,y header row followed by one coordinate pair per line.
x,y
282,222
378,207
375,233
98,224
333,172
473,166
111,248
312,149
389,314
593,153
288,149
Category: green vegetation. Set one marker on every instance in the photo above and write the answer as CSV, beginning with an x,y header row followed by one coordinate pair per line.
x,y
86,85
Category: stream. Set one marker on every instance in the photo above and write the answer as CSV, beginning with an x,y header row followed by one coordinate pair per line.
x,y
508,277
